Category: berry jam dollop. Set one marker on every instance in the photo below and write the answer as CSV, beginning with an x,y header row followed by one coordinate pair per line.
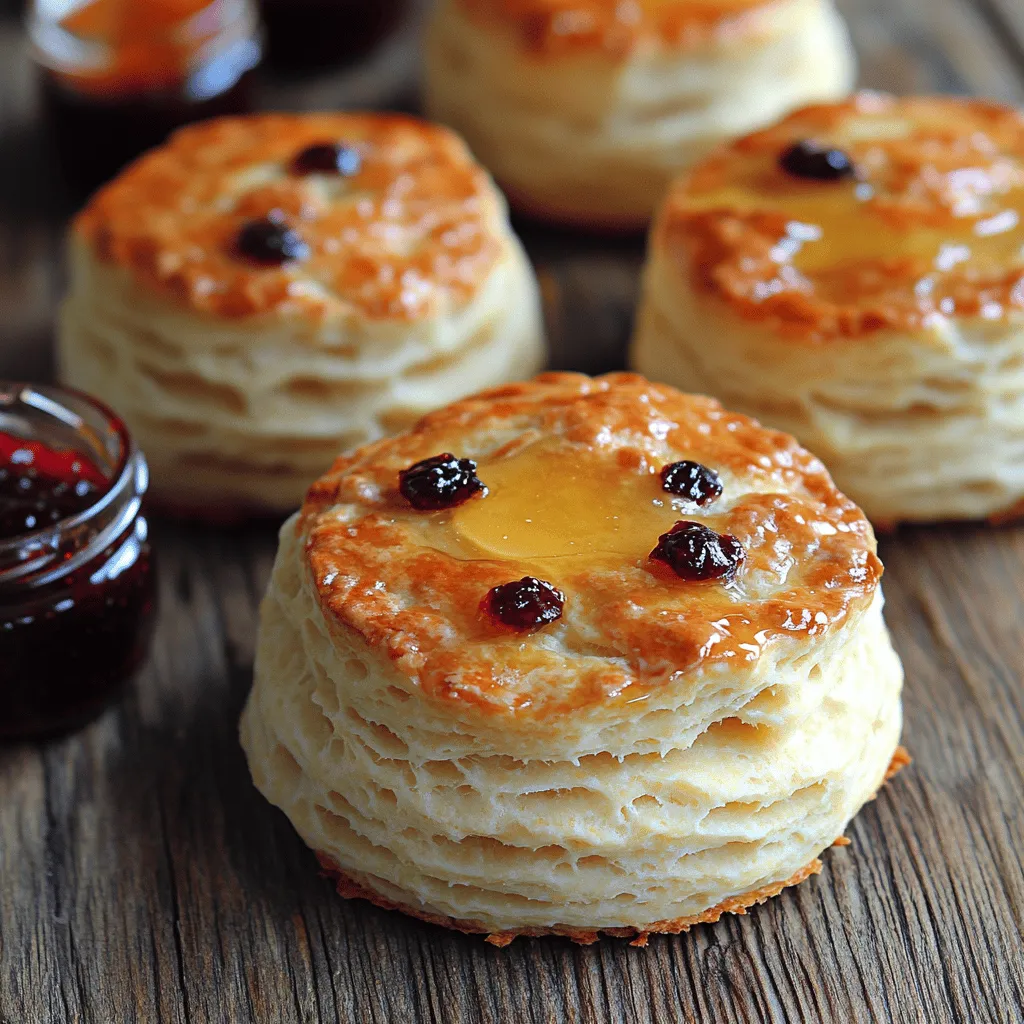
x,y
809,159
271,242
691,480
695,552
328,158
40,486
442,481
525,604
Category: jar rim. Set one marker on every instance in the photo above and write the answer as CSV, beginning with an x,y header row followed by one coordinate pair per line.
x,y
27,553
61,49
194,24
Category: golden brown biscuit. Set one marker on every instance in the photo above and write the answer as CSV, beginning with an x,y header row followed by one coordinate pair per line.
x,y
263,290
584,110
877,316
615,742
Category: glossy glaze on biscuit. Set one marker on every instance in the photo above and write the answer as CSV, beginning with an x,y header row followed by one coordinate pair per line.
x,y
411,585
616,27
409,236
928,228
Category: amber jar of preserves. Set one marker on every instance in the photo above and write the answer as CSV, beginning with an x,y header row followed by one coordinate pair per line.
x,y
118,76
77,580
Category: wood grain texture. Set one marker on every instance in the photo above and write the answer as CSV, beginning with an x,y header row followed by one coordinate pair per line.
x,y
142,878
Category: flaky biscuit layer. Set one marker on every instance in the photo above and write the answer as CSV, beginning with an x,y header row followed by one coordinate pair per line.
x,y
351,889
242,417
592,135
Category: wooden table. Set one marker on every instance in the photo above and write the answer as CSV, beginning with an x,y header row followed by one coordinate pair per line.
x,y
142,878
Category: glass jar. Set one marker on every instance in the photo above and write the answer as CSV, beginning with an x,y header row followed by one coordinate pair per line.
x,y
118,76
309,35
77,585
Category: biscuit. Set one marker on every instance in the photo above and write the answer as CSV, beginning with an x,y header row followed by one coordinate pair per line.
x,y
584,110
241,377
878,316
656,751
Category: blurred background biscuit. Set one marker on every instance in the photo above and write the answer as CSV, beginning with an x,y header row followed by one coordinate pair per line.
x,y
262,291
584,112
855,276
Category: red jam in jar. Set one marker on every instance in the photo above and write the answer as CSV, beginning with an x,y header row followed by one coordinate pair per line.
x,y
77,584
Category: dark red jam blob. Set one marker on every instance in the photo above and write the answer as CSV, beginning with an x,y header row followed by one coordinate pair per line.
x,y
67,646
70,650
271,242
442,481
808,159
528,603
328,158
40,486
695,552
691,480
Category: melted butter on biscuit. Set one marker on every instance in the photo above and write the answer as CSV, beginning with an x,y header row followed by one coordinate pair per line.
x,y
552,501
932,225
850,222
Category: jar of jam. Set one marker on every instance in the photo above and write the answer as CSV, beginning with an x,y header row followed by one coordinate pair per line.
x,y
118,76
76,570
309,35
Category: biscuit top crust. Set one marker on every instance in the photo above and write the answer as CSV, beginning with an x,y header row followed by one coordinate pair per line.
x,y
574,498
927,228
618,27
414,232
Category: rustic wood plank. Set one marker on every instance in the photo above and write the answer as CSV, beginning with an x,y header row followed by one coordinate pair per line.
x,y
1007,20
142,878
932,46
